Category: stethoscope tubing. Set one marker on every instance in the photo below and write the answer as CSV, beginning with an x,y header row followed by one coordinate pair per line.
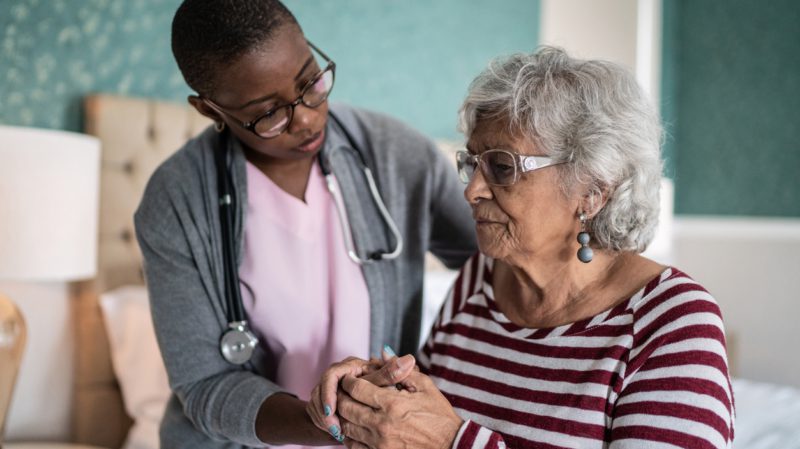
x,y
237,341
347,232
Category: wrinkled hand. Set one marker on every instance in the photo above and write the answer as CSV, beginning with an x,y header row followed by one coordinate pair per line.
x,y
322,405
381,418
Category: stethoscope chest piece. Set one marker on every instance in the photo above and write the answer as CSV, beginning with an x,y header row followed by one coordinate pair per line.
x,y
237,343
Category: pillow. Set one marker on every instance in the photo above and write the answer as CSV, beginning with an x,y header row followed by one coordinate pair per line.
x,y
137,362
438,281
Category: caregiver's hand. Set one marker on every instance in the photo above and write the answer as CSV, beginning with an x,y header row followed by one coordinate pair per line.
x,y
383,418
322,406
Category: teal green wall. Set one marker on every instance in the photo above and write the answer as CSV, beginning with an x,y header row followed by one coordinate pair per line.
x,y
731,101
411,58
415,59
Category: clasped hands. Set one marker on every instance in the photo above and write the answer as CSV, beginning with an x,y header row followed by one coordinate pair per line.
x,y
382,404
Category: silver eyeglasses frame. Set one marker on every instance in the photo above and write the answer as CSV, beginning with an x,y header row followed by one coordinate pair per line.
x,y
523,164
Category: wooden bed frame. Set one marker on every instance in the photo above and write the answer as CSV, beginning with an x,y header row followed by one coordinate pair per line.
x,y
136,135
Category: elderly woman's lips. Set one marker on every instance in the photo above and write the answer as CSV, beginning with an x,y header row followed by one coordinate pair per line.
x,y
480,218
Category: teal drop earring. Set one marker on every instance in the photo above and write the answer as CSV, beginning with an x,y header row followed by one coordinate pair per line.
x,y
585,254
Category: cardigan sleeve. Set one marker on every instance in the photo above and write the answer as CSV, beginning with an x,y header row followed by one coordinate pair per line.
x,y
220,399
453,239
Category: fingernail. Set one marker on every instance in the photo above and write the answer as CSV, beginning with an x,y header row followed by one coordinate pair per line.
x,y
389,351
327,410
334,430
404,362
340,438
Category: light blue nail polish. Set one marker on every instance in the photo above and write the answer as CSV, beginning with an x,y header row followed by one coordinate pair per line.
x,y
334,430
340,438
389,351
327,410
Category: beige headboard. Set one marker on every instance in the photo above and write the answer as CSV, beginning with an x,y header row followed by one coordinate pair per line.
x,y
136,136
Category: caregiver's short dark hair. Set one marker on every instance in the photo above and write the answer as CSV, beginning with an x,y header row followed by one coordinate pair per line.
x,y
207,34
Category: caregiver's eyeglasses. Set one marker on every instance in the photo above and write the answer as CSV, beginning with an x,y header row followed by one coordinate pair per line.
x,y
499,167
276,120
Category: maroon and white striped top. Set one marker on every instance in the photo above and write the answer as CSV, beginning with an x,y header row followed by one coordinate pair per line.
x,y
651,372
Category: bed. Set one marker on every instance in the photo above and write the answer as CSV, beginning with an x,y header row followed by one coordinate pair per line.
x,y
136,136
121,386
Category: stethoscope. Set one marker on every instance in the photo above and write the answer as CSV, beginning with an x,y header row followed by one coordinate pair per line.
x,y
238,341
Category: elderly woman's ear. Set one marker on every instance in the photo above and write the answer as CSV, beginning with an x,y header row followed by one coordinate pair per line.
x,y
593,199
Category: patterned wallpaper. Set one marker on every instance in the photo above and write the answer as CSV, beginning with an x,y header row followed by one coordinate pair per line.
x,y
413,59
53,52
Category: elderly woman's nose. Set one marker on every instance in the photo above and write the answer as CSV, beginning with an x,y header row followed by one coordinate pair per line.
x,y
477,188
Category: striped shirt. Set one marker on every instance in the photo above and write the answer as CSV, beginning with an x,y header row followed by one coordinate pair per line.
x,y
651,372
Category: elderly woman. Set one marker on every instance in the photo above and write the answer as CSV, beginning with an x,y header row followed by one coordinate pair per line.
x,y
558,334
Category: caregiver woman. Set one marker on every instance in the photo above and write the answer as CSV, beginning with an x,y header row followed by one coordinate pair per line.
x,y
305,299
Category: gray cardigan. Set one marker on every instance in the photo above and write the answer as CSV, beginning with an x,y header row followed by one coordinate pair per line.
x,y
214,404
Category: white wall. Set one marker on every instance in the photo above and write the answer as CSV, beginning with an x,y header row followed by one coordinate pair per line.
x,y
592,28
627,32
752,267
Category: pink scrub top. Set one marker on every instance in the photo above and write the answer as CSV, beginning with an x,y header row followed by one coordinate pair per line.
x,y
305,299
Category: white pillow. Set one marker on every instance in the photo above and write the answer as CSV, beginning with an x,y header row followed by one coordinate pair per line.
x,y
137,362
437,284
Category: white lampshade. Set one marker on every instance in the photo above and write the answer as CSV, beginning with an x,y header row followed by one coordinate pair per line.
x,y
48,204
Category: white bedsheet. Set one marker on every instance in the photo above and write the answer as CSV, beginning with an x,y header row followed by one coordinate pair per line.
x,y
767,416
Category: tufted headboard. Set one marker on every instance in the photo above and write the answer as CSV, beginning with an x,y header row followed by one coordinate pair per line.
x,y
136,135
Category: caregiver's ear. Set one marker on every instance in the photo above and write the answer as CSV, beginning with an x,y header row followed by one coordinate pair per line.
x,y
203,108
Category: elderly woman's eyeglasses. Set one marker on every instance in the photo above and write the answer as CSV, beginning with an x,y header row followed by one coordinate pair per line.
x,y
499,167
276,120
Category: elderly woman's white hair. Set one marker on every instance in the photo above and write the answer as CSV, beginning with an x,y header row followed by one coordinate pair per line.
x,y
591,114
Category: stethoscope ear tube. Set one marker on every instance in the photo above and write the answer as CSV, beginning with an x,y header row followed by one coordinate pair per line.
x,y
377,255
343,222
387,218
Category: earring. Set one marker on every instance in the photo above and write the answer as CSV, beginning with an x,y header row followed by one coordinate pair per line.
x,y
219,126
585,254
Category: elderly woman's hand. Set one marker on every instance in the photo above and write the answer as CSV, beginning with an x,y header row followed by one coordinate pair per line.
x,y
383,418
322,405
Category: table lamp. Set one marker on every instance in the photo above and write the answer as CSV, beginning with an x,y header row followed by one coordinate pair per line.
x,y
48,225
